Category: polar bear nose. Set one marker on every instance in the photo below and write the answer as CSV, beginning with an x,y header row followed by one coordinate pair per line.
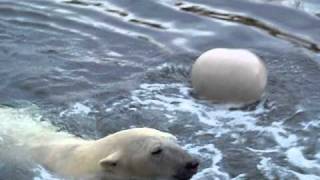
x,y
188,170
192,165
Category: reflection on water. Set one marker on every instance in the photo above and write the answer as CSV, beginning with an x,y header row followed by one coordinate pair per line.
x,y
94,67
310,6
251,22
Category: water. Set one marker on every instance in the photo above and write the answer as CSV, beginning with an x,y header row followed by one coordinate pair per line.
x,y
95,67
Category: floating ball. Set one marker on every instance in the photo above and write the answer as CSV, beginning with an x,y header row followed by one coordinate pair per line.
x,y
229,76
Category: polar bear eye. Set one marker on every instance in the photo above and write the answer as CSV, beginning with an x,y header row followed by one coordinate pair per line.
x,y
156,151
113,164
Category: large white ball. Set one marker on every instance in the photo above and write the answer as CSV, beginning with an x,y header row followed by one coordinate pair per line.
x,y
229,75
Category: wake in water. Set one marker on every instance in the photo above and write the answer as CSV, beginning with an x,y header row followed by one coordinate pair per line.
x,y
20,128
24,126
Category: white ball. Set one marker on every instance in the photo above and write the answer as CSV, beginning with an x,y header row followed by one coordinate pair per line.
x,y
229,75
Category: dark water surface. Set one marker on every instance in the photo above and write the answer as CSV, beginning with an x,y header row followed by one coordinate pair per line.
x,y
95,67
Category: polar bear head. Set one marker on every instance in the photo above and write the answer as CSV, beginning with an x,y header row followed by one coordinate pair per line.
x,y
147,153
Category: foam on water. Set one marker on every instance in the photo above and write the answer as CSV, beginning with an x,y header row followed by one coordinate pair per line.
x,y
155,97
77,108
274,171
218,120
43,174
295,157
173,98
207,151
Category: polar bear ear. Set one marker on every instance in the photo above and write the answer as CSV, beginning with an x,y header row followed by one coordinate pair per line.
x,y
110,161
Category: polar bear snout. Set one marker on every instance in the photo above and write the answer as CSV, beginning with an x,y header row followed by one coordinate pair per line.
x,y
188,170
192,165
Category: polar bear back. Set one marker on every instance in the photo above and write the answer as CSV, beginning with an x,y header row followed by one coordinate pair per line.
x,y
24,126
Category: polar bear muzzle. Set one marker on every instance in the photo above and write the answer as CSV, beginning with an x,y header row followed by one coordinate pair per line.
x,y
188,170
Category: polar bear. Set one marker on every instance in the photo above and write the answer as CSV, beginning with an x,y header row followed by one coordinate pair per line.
x,y
138,153
229,76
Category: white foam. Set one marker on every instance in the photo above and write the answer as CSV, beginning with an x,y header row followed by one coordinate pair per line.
x,y
114,54
240,177
211,152
220,118
262,151
301,176
281,136
181,42
77,108
273,171
311,124
44,174
296,158
264,166
154,96
174,98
